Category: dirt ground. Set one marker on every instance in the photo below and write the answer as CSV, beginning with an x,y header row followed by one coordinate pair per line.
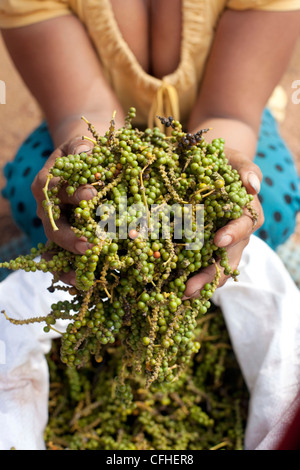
x,y
20,115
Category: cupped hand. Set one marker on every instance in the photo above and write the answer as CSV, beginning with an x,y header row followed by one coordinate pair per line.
x,y
235,235
64,236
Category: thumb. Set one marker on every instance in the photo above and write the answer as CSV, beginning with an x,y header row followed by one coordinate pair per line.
x,y
86,192
79,145
249,172
74,147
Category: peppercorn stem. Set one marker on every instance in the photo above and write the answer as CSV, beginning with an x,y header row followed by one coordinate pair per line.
x,y
54,329
49,203
218,446
84,137
112,127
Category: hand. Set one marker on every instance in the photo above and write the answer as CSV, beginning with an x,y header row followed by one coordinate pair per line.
x,y
236,234
63,237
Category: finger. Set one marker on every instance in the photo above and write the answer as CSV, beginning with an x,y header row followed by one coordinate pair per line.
x,y
64,236
77,145
87,192
241,228
207,275
84,192
67,278
250,174
198,281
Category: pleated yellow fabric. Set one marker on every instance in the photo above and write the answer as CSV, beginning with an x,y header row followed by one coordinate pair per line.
x,y
165,103
174,94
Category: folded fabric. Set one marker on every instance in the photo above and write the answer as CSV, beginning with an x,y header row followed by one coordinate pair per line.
x,y
262,315
24,380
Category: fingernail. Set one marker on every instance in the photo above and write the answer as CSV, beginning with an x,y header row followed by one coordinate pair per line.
x,y
224,241
81,247
193,295
254,182
81,149
85,193
72,279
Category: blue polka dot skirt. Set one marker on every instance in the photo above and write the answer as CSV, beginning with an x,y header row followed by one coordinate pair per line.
x,y
279,196
280,190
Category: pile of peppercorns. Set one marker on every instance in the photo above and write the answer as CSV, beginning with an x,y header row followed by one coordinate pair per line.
x,y
205,409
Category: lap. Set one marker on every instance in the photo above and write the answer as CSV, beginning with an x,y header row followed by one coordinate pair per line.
x,y
280,193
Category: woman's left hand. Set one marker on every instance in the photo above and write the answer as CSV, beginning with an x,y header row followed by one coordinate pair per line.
x,y
236,234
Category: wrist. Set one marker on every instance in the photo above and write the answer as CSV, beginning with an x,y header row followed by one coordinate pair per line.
x,y
237,134
74,127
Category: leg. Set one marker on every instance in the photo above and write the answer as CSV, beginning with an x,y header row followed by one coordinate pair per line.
x,y
280,192
20,173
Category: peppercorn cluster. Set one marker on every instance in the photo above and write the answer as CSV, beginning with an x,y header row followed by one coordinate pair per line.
x,y
205,409
129,289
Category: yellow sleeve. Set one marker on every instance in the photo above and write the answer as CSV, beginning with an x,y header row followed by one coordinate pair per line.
x,y
15,13
270,5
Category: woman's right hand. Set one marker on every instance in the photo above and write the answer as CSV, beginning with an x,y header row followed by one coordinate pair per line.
x,y
64,236
65,90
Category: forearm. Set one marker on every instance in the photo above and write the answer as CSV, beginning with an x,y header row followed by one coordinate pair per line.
x,y
75,127
65,76
237,134
241,72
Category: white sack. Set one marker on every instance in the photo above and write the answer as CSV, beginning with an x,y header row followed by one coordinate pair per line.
x,y
262,314
24,381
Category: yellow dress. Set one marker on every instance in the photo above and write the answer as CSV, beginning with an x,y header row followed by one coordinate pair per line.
x,y
173,95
